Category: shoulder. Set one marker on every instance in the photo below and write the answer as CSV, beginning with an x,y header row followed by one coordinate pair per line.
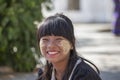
x,y
84,71
40,72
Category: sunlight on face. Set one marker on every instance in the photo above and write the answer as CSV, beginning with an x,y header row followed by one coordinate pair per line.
x,y
55,48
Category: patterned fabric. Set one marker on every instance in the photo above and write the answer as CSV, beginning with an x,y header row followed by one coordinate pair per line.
x,y
81,71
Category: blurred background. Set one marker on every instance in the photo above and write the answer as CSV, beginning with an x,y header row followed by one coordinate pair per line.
x,y
97,35
83,10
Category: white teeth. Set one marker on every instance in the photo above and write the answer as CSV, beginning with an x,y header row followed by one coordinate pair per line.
x,y
52,52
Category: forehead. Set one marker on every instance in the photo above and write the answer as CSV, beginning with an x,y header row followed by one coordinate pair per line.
x,y
55,37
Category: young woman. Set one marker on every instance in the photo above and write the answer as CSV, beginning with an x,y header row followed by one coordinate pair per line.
x,y
57,44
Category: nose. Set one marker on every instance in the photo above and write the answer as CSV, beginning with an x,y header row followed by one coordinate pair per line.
x,y
51,44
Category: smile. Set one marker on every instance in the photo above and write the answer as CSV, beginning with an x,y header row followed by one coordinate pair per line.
x,y
52,52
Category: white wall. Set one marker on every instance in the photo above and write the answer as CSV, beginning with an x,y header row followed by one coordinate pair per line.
x,y
90,10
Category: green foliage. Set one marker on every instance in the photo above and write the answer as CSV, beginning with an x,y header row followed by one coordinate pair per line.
x,y
18,32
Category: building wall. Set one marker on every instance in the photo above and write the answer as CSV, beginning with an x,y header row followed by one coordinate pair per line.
x,y
90,10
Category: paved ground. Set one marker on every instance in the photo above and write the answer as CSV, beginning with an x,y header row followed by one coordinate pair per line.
x,y
94,42
97,43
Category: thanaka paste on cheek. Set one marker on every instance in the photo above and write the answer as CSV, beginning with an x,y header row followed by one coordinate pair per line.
x,y
66,45
42,46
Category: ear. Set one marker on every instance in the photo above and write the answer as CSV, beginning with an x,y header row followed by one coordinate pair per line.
x,y
71,47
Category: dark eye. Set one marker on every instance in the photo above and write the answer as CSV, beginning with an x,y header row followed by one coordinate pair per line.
x,y
45,39
59,39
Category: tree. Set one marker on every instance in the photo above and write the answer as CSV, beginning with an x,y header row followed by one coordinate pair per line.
x,y
18,33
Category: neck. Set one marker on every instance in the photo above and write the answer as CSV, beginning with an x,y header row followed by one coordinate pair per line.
x,y
60,69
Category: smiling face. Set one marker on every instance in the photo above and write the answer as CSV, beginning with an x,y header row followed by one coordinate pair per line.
x,y
55,48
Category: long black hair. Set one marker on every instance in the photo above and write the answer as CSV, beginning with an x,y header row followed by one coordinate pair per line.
x,y
59,25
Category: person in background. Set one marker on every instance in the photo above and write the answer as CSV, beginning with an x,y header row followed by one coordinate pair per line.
x,y
116,24
56,41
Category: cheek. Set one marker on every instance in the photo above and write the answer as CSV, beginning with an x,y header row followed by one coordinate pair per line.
x,y
65,46
42,48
